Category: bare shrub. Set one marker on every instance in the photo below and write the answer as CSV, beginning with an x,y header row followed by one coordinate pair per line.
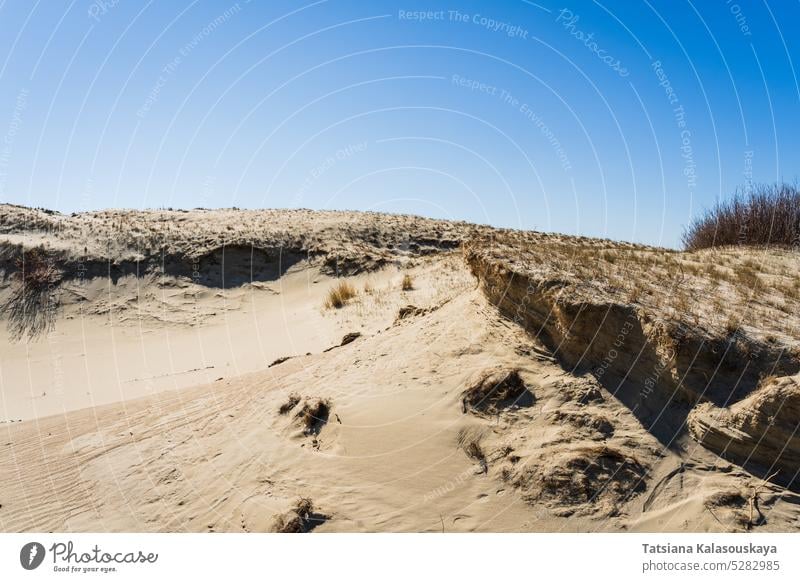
x,y
766,215
339,295
32,305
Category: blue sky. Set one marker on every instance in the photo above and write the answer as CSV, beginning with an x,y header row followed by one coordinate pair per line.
x,y
619,119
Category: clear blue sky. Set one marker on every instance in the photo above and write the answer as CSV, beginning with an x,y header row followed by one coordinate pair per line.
x,y
620,119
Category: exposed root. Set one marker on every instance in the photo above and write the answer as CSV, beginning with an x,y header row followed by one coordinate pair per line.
x,y
469,440
753,504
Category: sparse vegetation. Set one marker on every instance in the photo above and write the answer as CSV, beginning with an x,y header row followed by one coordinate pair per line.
x,y
634,293
495,390
701,288
469,441
287,406
766,215
748,277
279,361
32,305
732,326
314,415
584,451
340,294
598,475
302,518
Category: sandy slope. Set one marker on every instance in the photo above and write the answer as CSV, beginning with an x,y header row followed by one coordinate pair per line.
x,y
152,406
377,469
171,335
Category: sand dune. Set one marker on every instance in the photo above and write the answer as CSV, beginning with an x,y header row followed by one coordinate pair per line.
x,y
192,379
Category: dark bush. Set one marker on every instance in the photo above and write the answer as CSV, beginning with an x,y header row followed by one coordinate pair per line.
x,y
32,304
764,215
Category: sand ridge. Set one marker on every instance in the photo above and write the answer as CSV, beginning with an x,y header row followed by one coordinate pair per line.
x,y
236,401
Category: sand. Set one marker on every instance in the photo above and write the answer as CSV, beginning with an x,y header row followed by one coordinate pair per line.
x,y
159,403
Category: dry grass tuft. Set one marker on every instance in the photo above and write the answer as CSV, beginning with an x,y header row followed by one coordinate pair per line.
x,y
287,406
469,441
728,498
598,478
495,390
408,283
302,518
31,307
314,415
339,295
732,325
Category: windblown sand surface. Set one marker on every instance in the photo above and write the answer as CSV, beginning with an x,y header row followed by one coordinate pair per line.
x,y
192,379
